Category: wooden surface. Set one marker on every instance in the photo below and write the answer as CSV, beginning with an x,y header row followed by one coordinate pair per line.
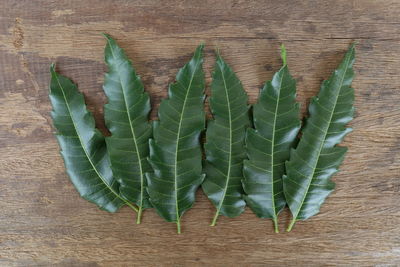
x,y
44,222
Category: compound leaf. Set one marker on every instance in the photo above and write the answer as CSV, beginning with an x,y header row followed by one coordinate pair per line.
x,y
126,116
225,138
317,156
175,151
82,146
276,124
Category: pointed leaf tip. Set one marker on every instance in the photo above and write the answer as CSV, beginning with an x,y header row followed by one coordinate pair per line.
x,y
199,50
52,67
352,47
217,52
106,35
283,54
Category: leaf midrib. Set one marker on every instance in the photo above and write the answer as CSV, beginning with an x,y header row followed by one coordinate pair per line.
x,y
84,147
322,143
133,132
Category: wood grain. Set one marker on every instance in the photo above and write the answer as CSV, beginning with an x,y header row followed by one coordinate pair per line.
x,y
44,222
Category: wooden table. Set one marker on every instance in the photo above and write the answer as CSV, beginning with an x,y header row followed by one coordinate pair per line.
x,y
44,222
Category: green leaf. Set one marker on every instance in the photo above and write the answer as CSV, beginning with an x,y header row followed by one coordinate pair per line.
x,y
175,152
276,124
317,156
82,146
225,138
126,116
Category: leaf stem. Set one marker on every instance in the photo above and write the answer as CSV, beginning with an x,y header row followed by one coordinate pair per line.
x,y
283,54
291,225
178,226
276,225
139,215
214,221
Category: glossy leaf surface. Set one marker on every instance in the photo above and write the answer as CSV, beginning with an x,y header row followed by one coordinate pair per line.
x,y
276,124
175,152
317,156
225,138
82,146
126,116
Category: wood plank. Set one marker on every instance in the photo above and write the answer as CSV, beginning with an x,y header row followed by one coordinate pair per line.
x,y
44,222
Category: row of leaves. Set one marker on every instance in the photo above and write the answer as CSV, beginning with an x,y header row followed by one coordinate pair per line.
x,y
255,160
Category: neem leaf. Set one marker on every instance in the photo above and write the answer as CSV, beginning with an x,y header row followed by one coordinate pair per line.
x,y
82,146
126,116
175,151
317,156
276,124
225,138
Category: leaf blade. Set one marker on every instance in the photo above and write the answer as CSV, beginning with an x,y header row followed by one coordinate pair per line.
x,y
276,124
307,183
126,116
224,145
175,152
82,146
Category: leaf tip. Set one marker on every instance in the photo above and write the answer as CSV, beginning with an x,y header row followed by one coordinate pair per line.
x,y
352,49
106,35
201,46
283,54
199,50
217,52
52,67
219,60
53,72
